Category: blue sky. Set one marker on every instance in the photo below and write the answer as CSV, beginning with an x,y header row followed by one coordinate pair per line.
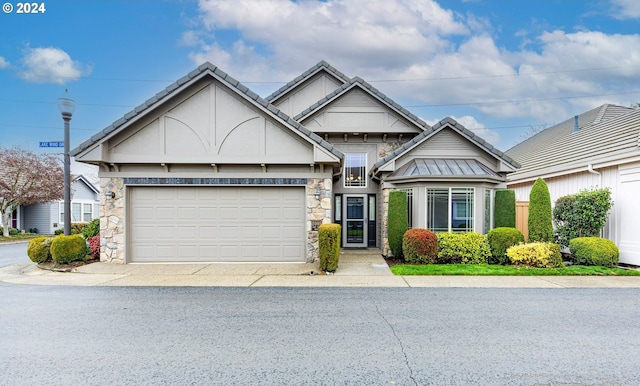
x,y
502,68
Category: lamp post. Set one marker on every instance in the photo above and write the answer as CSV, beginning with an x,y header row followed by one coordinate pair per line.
x,y
67,106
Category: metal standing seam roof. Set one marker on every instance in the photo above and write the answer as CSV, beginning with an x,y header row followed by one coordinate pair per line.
x,y
357,81
439,167
450,122
322,65
613,138
168,92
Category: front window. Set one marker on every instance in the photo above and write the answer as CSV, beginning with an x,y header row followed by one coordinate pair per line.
x,y
87,212
355,170
450,209
75,212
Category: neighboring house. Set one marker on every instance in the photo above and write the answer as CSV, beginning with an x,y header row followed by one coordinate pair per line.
x,y
598,148
46,218
207,170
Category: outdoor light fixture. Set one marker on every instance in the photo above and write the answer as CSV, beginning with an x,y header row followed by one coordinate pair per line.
x,y
67,106
318,194
110,194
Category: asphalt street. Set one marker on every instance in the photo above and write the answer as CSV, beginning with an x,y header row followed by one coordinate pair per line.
x,y
13,253
318,336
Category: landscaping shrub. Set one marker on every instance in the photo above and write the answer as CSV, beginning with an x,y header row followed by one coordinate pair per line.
x,y
594,251
504,211
78,227
329,246
91,229
398,221
39,249
500,239
420,246
58,231
463,248
581,215
65,249
94,246
540,220
537,255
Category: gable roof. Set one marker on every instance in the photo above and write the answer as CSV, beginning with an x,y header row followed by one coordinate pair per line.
x,y
321,66
453,124
362,84
83,179
606,136
206,69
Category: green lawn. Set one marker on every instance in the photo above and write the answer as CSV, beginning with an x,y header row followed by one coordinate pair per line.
x,y
507,270
18,237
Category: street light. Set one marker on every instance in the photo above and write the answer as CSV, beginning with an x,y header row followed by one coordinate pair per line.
x,y
67,106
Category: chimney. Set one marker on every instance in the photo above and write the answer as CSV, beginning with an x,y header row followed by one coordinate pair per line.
x,y
575,124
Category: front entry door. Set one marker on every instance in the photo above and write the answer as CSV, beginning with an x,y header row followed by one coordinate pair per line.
x,y
355,226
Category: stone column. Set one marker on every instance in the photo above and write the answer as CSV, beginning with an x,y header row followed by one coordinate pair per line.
x,y
112,220
318,209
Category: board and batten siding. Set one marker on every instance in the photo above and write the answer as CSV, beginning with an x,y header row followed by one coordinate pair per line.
x,y
624,182
447,144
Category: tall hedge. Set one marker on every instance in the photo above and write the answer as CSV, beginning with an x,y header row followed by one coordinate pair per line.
x,y
329,246
540,219
398,221
504,210
581,215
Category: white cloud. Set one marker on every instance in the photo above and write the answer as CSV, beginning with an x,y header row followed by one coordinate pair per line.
x,y
626,9
442,58
51,65
4,63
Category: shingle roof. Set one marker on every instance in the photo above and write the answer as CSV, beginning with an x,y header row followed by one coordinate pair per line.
x,y
322,65
450,122
547,137
605,134
440,167
359,82
169,91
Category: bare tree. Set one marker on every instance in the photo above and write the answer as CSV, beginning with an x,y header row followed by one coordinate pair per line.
x,y
27,178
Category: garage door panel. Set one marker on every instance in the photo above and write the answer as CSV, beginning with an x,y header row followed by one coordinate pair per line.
x,y
216,224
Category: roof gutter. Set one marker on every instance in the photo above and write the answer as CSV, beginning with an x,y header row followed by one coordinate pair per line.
x,y
597,173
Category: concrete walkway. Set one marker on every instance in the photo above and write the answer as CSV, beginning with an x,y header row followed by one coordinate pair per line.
x,y
357,268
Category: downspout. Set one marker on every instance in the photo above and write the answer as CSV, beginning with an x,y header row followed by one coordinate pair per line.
x,y
597,173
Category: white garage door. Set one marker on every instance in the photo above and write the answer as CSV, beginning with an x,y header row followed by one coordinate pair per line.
x,y
211,224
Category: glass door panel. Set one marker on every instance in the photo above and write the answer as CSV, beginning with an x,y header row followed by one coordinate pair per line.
x,y
355,230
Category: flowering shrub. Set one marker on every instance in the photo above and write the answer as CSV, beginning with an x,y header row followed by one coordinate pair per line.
x,y
419,246
94,246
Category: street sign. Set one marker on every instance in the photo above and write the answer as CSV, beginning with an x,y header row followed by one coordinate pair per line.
x,y
52,144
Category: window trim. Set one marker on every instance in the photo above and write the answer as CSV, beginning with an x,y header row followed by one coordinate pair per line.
x,y
364,171
451,215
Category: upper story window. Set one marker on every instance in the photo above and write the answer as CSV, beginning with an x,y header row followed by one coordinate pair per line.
x,y
355,169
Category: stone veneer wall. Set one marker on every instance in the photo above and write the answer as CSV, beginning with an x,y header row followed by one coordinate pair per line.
x,y
112,224
317,210
112,221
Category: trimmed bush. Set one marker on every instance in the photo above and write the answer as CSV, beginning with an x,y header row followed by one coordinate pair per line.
x,y
91,229
594,251
420,246
504,211
499,240
537,255
463,248
65,249
329,246
39,249
540,219
398,221
581,215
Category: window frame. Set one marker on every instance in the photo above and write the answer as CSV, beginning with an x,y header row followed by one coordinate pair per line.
x,y
364,181
452,208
